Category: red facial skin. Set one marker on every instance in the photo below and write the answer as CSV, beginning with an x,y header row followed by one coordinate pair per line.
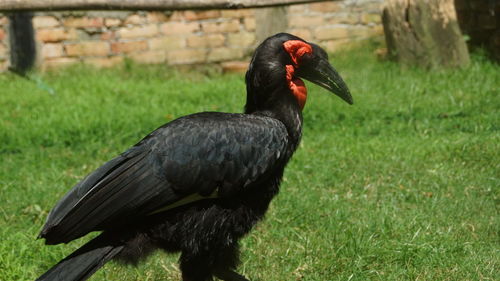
x,y
296,49
297,86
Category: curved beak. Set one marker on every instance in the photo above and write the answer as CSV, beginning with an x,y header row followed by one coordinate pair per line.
x,y
326,76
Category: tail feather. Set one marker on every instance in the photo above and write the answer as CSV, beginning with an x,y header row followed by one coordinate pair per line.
x,y
84,262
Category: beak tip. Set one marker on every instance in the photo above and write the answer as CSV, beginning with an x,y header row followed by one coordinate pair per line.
x,y
350,101
348,98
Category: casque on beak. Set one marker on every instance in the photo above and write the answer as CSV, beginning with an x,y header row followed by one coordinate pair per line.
x,y
324,75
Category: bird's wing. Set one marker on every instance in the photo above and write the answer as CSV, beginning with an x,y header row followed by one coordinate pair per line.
x,y
188,159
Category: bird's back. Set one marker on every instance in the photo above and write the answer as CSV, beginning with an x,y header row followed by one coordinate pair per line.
x,y
197,154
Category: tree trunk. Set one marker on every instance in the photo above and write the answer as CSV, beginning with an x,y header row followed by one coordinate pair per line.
x,y
424,33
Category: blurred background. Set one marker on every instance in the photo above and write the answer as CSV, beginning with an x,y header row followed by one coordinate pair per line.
x,y
51,39
403,185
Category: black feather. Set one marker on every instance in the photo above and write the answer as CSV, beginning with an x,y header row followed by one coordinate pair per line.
x,y
83,262
196,185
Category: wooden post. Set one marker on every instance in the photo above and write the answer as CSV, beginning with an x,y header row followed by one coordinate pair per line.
x,y
270,21
424,33
58,5
22,42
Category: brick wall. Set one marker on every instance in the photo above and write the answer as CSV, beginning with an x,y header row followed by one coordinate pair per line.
x,y
480,20
335,24
189,37
3,43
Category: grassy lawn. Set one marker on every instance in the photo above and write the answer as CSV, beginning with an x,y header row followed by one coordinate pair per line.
x,y
404,185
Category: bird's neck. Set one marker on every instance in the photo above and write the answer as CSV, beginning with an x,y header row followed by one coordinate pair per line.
x,y
284,107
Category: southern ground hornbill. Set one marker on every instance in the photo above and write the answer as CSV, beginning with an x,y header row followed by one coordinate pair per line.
x,y
199,183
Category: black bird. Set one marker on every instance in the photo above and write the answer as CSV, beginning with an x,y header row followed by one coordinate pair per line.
x,y
199,183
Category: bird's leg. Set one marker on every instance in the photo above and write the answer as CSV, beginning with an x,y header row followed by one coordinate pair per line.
x,y
225,263
195,268
229,275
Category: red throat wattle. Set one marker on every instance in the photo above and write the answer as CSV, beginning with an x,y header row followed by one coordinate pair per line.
x,y
296,85
296,49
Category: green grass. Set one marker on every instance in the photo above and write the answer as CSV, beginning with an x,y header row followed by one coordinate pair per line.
x,y
404,185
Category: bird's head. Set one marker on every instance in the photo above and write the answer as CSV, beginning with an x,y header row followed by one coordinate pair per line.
x,y
277,66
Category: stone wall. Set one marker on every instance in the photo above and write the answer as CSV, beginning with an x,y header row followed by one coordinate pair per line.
x,y
480,20
3,43
335,24
189,37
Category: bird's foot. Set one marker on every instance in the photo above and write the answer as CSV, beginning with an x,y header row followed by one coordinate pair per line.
x,y
229,275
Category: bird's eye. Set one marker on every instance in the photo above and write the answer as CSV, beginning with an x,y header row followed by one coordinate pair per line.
x,y
306,58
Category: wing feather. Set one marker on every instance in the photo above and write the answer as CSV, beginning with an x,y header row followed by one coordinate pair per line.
x,y
186,160
123,194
